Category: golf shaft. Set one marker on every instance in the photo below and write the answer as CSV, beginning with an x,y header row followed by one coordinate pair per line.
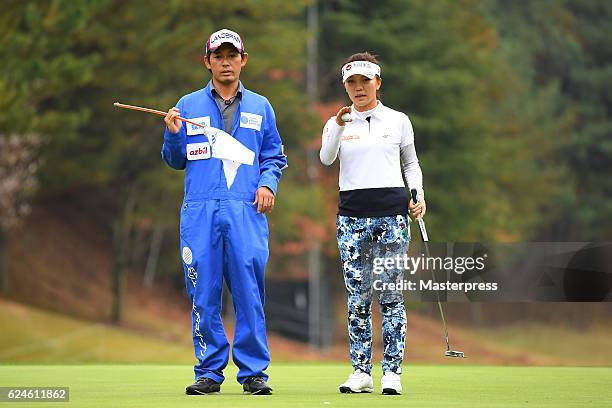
x,y
155,111
425,239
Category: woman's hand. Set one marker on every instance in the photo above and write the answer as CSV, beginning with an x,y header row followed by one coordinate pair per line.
x,y
417,210
339,121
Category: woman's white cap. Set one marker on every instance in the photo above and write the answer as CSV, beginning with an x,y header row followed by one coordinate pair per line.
x,y
365,68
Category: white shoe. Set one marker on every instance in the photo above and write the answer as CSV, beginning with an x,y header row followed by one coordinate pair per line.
x,y
391,383
358,382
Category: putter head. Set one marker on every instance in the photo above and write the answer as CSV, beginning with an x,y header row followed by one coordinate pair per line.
x,y
453,353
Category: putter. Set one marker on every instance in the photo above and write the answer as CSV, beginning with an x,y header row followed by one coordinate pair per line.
x,y
425,239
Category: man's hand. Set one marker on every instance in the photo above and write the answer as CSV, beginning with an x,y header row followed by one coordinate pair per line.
x,y
264,198
417,210
173,124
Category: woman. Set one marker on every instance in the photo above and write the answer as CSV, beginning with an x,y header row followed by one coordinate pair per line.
x,y
375,146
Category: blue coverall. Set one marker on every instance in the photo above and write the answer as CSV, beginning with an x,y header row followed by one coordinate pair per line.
x,y
222,235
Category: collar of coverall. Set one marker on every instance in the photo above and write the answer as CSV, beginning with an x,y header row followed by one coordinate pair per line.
x,y
233,97
210,88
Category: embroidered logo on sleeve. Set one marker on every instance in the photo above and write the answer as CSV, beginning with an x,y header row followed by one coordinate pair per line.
x,y
250,120
187,255
198,151
196,130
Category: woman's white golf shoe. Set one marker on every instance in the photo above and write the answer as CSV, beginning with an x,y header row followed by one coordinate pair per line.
x,y
391,383
358,381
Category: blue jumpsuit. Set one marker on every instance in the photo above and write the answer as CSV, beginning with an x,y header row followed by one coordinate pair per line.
x,y
222,235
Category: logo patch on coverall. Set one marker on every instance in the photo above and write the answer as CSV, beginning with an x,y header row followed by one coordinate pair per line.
x,y
198,151
196,130
187,255
250,120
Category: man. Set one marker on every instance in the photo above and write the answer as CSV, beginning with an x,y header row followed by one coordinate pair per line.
x,y
224,231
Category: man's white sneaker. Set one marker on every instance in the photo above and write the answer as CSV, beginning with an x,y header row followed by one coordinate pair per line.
x,y
358,382
391,384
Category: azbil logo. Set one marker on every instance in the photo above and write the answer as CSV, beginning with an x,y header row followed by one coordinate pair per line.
x,y
348,67
199,150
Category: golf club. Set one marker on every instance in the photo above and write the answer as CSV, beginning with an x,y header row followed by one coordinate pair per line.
x,y
425,239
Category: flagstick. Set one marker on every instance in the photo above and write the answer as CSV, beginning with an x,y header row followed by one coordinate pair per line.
x,y
155,111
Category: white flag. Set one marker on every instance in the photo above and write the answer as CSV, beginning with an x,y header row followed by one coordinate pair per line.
x,y
231,152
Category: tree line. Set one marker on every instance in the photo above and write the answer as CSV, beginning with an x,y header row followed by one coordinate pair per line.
x,y
511,103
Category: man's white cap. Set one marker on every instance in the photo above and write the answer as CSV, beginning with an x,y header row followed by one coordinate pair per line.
x,y
365,68
224,36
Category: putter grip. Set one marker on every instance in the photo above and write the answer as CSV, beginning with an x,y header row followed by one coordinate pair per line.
x,y
420,221
414,194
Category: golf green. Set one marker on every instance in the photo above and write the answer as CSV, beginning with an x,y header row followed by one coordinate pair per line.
x,y
316,385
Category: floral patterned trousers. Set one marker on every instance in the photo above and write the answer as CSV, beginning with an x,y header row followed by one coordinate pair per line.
x,y
361,241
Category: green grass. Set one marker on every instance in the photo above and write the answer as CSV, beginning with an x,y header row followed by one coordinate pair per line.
x,y
31,335
588,347
315,385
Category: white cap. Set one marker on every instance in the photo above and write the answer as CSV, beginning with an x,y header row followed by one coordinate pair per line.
x,y
224,36
365,68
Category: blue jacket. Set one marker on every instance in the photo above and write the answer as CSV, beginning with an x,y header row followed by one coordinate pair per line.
x,y
254,126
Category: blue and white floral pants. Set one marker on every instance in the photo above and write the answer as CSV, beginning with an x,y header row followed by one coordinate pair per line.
x,y
361,241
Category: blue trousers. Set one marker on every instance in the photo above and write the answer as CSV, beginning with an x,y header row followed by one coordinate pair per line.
x,y
360,241
225,239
